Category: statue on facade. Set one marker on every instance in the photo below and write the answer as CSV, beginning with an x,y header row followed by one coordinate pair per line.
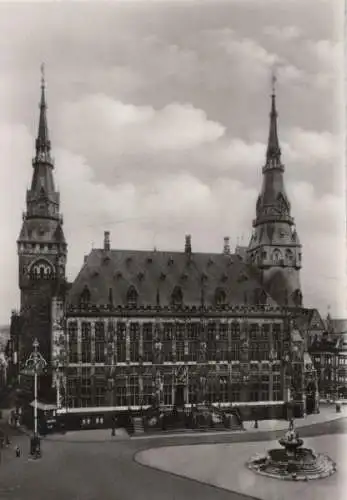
x,y
203,351
158,352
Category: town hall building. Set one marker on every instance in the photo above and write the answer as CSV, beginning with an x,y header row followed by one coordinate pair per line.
x,y
142,328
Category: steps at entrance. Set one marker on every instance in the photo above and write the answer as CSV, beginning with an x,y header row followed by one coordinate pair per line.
x,y
138,426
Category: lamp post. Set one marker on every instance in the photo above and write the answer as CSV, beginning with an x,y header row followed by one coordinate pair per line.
x,y
35,363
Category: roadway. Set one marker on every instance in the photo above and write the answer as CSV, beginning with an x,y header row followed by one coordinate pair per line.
x,y
107,470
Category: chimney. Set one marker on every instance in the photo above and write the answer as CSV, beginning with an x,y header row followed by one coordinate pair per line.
x,y
188,245
226,249
107,241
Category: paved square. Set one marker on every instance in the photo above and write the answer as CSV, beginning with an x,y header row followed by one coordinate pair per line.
x,y
223,465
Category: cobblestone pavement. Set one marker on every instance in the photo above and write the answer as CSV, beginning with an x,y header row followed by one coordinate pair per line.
x,y
106,470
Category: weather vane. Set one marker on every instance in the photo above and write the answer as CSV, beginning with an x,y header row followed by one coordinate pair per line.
x,y
43,74
273,79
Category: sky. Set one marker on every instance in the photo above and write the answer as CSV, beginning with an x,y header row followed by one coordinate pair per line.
x,y
158,116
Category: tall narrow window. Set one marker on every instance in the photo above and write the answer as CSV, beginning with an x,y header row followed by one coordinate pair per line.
x,y
86,389
132,297
167,389
99,342
121,342
193,335
134,391
86,342
168,329
220,297
211,341
134,341
100,391
121,391
73,346
179,341
147,382
148,342
71,389
223,342
235,341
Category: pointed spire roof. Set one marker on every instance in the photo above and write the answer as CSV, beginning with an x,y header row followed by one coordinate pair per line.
x,y
43,144
273,148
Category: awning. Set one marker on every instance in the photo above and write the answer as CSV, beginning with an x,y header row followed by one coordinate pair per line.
x,y
43,406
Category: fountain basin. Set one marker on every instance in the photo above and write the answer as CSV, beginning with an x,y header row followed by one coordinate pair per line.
x,y
292,462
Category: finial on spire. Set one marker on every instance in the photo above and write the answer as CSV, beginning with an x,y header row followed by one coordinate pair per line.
x,y
43,145
273,80
273,148
43,82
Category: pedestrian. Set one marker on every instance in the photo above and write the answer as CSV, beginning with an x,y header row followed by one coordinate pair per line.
x,y
18,453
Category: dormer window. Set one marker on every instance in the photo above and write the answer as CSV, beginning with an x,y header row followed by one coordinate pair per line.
x,y
220,297
140,276
184,276
129,260
132,297
85,297
260,297
170,261
149,260
224,277
210,261
177,297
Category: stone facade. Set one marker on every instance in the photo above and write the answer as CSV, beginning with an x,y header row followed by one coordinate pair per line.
x,y
140,328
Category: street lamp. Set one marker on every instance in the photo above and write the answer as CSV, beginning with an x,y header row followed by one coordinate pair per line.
x,y
36,364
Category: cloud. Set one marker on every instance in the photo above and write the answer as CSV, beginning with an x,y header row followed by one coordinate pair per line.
x,y
112,126
160,114
284,33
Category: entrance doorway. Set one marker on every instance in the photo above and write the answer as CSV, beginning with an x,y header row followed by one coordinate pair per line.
x,y
179,395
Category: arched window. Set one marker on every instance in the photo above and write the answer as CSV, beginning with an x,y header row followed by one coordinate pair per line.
x,y
276,256
289,256
259,296
297,298
177,297
85,297
132,297
220,297
41,269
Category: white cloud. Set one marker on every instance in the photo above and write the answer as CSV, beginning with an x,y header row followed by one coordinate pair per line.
x,y
113,127
158,115
283,33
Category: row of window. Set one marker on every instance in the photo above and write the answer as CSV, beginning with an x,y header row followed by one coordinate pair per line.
x,y
177,298
190,352
130,394
171,330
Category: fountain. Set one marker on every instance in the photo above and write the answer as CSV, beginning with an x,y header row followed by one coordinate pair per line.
x,y
292,461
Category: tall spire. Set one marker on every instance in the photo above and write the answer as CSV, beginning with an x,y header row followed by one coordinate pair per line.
x,y
43,144
273,148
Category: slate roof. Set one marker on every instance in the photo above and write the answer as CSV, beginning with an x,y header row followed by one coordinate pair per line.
x,y
41,230
155,274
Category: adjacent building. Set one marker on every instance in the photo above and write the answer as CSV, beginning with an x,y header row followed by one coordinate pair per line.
x,y
329,354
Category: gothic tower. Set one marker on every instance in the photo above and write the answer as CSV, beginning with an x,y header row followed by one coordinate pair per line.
x,y
41,245
274,248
